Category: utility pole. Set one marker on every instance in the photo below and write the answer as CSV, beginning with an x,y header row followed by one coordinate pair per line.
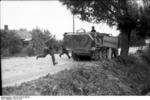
x,y
0,81
73,24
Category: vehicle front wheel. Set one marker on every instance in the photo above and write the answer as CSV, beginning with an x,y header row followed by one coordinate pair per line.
x,y
75,56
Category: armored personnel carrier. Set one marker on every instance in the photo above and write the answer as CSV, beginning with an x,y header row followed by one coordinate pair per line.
x,y
92,44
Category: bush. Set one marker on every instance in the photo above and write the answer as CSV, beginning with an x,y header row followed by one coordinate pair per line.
x,y
4,53
11,44
30,51
134,70
39,38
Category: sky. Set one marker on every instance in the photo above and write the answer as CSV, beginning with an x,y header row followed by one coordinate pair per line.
x,y
50,15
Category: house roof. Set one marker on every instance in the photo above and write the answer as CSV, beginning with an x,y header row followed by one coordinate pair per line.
x,y
24,34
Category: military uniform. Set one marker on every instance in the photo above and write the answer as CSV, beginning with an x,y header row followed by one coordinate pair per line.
x,y
93,29
48,50
64,51
114,52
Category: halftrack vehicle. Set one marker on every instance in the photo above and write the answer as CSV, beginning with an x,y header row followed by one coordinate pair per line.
x,y
92,44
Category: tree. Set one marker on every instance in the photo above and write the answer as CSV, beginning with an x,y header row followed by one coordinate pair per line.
x,y
113,12
10,43
143,27
38,39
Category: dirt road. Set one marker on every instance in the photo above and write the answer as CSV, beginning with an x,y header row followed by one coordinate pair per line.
x,y
20,69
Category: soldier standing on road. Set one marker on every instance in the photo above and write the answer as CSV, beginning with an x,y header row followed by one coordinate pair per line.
x,y
49,49
114,52
64,51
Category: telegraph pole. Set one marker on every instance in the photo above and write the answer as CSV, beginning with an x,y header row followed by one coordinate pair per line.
x,y
73,24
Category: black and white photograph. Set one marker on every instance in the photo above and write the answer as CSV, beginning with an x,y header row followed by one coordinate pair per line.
x,y
75,48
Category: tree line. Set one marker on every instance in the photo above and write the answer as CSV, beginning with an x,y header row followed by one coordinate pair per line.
x,y
13,45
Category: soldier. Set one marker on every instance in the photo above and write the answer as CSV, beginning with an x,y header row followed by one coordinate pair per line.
x,y
64,51
93,29
93,32
114,52
48,50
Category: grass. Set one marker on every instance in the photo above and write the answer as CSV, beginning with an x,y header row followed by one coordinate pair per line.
x,y
85,80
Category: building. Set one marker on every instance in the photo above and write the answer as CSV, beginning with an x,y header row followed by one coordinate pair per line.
x,y
23,34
